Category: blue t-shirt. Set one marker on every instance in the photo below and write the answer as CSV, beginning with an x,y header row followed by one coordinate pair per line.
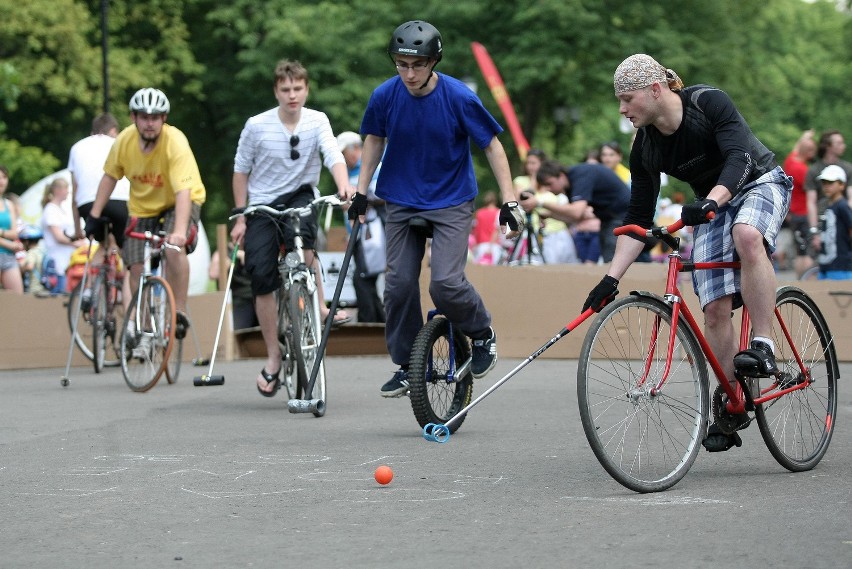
x,y
427,162
837,248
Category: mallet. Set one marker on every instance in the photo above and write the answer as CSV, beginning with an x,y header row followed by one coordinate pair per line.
x,y
209,378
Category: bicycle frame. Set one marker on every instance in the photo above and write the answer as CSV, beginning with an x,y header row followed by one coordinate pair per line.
x,y
737,402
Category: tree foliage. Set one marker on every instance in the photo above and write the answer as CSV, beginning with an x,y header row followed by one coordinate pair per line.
x,y
784,62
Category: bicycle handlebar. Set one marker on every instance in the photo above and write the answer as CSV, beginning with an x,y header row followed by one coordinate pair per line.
x,y
658,232
302,211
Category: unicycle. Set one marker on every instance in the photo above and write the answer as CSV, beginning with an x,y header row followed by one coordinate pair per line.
x,y
439,376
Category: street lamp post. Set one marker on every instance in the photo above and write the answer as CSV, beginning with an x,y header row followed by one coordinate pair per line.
x,y
105,64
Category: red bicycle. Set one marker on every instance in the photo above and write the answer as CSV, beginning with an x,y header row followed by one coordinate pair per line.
x,y
643,391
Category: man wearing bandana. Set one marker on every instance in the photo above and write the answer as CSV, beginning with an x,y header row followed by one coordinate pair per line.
x,y
696,135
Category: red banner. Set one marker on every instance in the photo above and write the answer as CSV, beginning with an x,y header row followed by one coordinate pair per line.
x,y
498,91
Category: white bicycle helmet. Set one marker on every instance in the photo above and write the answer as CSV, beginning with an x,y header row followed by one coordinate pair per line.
x,y
150,101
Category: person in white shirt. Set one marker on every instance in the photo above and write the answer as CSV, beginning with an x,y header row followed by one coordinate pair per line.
x,y
57,227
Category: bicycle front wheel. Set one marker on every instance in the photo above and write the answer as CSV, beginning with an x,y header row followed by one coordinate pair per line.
x,y
646,439
435,398
100,331
798,425
145,346
306,331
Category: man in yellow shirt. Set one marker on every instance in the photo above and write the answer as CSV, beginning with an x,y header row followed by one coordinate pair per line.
x,y
166,192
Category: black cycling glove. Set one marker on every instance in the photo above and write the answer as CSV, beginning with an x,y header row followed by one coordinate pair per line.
x,y
696,212
512,215
96,227
602,294
358,206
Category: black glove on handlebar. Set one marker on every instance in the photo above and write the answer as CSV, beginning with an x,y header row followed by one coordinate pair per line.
x,y
696,212
359,205
96,227
512,215
602,294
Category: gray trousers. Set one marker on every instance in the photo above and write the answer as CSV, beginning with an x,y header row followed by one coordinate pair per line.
x,y
451,292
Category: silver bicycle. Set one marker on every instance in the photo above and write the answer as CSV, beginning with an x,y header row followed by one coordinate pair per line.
x,y
299,323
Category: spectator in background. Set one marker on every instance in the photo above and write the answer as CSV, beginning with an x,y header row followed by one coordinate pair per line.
x,y
611,156
796,224
538,221
57,227
485,234
588,185
31,259
369,252
829,150
835,260
592,156
10,273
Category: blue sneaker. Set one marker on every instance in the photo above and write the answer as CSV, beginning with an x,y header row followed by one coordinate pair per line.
x,y
484,356
397,386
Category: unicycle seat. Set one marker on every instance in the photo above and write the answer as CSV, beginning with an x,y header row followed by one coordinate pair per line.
x,y
421,225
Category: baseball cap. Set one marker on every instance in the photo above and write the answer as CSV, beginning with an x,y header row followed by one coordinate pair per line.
x,y
833,173
348,138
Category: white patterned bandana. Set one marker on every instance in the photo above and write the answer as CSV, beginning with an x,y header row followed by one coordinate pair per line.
x,y
637,72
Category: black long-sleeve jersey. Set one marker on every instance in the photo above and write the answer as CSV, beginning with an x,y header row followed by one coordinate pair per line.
x,y
713,146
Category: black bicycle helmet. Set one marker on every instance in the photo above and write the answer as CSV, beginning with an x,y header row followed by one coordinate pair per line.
x,y
417,38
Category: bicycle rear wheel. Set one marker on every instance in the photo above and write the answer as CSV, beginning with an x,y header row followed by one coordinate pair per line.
x,y
84,336
646,441
797,426
145,347
306,332
289,376
435,399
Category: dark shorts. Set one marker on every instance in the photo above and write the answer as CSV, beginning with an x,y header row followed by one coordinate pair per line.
x,y
265,236
134,249
116,212
799,226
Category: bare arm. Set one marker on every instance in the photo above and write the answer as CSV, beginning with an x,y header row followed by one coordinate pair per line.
x,y
183,212
371,155
239,185
105,189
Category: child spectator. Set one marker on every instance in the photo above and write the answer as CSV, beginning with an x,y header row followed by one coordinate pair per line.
x,y
835,259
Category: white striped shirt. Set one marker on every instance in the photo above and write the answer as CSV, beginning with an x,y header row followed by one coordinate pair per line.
x,y
264,154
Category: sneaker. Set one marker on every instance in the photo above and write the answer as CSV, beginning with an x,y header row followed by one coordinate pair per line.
x,y
484,356
142,350
397,386
182,325
757,361
86,301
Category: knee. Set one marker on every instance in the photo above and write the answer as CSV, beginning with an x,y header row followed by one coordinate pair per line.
x,y
445,289
717,314
749,242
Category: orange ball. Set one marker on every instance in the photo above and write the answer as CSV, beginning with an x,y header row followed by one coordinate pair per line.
x,y
383,475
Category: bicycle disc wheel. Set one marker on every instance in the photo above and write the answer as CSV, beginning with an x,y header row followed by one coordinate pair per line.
x,y
646,441
435,399
797,426
306,339
100,328
83,337
145,348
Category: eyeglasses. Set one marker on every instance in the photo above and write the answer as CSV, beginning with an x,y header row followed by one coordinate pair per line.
x,y
294,142
416,66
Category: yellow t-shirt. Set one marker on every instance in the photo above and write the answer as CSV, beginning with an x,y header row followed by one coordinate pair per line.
x,y
155,177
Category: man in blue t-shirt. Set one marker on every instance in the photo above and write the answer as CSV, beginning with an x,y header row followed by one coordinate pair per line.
x,y
424,123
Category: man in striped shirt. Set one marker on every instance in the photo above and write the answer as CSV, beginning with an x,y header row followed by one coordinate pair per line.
x,y
278,164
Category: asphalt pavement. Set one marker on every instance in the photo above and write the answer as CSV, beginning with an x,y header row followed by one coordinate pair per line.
x,y
93,475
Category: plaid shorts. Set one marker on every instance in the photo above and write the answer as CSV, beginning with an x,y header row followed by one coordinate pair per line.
x,y
133,251
763,204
